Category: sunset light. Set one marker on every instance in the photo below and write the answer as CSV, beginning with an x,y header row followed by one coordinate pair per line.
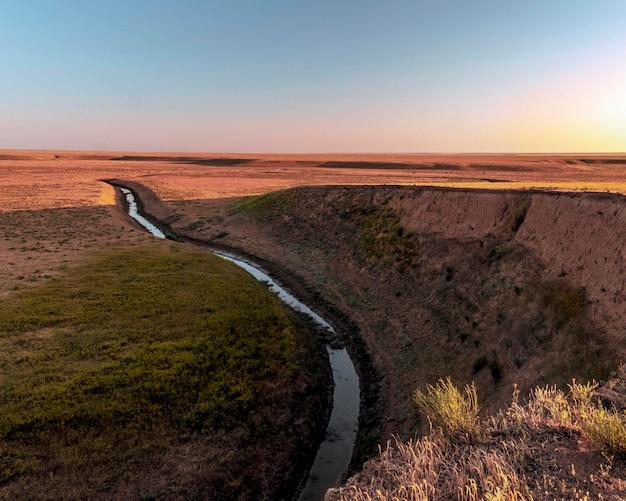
x,y
354,76
313,250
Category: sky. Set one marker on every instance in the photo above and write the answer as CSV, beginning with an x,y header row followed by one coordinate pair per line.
x,y
314,76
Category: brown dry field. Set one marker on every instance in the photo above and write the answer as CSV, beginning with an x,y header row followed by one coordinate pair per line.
x,y
54,209
47,179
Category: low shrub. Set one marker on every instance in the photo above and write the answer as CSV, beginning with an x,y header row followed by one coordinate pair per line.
x,y
564,302
496,370
605,428
479,364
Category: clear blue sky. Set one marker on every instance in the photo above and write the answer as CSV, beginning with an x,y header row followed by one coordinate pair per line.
x,y
319,76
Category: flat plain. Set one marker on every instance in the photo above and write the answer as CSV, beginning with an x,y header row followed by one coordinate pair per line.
x,y
50,200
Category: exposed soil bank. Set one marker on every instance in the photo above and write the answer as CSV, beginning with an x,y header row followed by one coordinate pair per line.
x,y
497,287
336,450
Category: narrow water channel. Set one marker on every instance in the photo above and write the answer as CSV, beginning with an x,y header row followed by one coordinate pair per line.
x,y
335,451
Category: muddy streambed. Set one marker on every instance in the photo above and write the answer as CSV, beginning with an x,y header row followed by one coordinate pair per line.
x,y
335,452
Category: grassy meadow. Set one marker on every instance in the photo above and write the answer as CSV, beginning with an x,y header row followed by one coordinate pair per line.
x,y
119,374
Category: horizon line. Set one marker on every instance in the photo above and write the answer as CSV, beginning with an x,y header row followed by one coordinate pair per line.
x,y
217,152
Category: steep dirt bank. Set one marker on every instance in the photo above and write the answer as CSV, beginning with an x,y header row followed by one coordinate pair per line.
x,y
496,287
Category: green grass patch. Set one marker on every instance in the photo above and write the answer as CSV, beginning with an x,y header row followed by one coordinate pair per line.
x,y
383,239
260,205
116,360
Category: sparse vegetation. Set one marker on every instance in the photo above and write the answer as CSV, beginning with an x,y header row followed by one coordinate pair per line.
x,y
518,215
143,356
383,239
194,225
500,251
561,300
516,455
605,428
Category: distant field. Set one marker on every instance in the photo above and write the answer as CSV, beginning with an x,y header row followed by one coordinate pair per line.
x,y
161,371
54,208
33,180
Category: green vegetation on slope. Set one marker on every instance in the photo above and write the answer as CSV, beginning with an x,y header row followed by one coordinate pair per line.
x,y
258,205
110,366
380,237
383,239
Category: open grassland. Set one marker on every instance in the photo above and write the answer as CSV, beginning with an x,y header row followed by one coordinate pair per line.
x,y
153,371
495,287
38,244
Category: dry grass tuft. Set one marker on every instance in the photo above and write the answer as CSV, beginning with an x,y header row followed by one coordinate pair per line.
x,y
605,428
582,393
448,408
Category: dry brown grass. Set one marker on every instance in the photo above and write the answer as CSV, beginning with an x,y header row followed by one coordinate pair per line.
x,y
41,180
511,456
449,408
606,428
436,467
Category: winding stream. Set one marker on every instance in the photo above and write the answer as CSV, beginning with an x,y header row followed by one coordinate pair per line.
x,y
133,211
335,451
